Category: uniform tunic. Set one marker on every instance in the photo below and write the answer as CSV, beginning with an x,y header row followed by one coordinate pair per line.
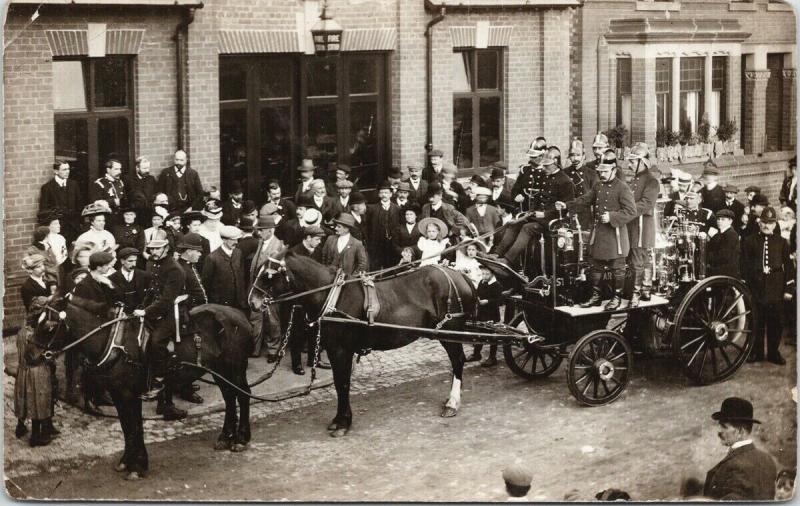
x,y
609,240
111,190
129,235
642,230
713,199
529,182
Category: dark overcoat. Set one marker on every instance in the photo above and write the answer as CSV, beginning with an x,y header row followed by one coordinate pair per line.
x,y
642,229
609,240
168,283
168,183
223,278
767,288
723,254
745,474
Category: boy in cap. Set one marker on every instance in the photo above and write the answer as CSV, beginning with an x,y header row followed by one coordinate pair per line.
x,y
518,483
723,247
482,215
746,473
765,262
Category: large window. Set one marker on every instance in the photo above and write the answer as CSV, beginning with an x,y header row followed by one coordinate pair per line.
x,y
624,85
274,110
664,93
691,92
774,107
93,104
477,108
719,71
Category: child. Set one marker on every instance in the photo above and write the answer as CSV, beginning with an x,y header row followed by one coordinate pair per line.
x,y
433,241
490,293
518,483
33,388
467,262
784,485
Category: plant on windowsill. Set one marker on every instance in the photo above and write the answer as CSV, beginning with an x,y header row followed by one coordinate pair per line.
x,y
616,138
667,145
725,136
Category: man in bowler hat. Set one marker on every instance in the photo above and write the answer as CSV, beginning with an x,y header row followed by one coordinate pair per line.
x,y
746,473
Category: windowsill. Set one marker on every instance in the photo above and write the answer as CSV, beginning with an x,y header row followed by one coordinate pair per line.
x,y
742,6
778,7
643,5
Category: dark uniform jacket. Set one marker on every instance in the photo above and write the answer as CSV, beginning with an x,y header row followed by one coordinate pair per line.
x,y
110,190
460,201
183,191
530,182
132,293
301,250
141,191
738,210
745,474
352,260
642,229
701,215
193,287
248,247
583,179
609,240
554,187
309,192
402,238
677,201
713,199
723,254
420,195
223,278
767,288
169,281
129,235
492,292
68,201
326,207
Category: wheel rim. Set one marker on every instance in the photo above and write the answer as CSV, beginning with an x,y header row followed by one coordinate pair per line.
x,y
714,329
599,367
530,360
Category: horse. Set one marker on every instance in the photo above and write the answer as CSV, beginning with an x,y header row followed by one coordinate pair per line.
x,y
225,340
428,297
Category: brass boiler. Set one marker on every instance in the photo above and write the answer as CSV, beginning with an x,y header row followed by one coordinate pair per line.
x,y
664,252
691,244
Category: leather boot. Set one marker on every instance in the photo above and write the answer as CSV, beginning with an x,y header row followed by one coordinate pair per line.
x,y
38,438
49,428
595,300
635,298
172,412
645,295
614,303
21,429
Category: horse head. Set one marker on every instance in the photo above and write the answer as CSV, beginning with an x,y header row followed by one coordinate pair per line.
x,y
51,331
271,281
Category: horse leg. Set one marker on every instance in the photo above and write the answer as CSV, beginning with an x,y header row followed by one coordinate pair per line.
x,y
456,353
122,415
342,366
137,456
243,432
225,439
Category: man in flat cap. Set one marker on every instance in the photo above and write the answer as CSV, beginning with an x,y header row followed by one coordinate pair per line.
x,y
765,262
746,473
723,248
433,171
712,195
419,186
341,202
132,284
733,205
223,276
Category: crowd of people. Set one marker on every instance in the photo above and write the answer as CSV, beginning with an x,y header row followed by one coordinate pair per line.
x,y
140,242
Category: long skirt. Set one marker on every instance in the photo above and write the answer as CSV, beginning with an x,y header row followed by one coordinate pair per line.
x,y
33,388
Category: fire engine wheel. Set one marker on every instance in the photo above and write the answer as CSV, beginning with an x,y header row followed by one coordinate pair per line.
x,y
713,329
530,361
599,367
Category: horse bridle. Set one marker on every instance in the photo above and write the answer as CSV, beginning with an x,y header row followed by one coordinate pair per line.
x,y
268,298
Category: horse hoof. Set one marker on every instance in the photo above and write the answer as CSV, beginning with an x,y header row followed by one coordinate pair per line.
x,y
340,432
121,467
222,444
238,447
449,412
133,476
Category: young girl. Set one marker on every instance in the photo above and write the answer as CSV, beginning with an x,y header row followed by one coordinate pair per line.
x,y
433,240
467,263
33,389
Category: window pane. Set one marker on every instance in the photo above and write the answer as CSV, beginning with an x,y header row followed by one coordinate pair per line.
x,y
233,148
462,133
690,111
111,79
718,71
462,66
663,109
72,145
232,79
69,86
113,141
663,75
490,130
363,75
487,70
692,74
276,79
623,76
321,74
321,145
276,147
363,147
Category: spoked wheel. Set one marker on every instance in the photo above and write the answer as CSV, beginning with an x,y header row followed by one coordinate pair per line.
x,y
713,330
530,360
599,367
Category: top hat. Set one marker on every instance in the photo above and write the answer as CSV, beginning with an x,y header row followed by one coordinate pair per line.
x,y
434,188
246,224
384,185
395,172
760,200
191,241
236,187
248,206
735,409
346,219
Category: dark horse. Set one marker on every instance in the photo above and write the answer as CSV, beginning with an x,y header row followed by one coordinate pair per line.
x,y
419,298
225,343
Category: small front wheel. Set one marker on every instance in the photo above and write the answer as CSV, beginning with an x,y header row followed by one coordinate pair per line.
x,y
599,367
530,361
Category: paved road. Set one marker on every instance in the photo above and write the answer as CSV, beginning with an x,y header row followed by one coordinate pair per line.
x,y
658,432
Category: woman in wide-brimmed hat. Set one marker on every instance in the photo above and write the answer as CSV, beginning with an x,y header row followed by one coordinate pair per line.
x,y
98,215
433,241
33,388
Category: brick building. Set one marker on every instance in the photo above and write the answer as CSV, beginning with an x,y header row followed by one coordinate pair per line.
x,y
237,84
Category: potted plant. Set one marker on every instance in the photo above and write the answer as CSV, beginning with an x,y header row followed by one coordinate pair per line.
x,y
616,138
725,133
704,138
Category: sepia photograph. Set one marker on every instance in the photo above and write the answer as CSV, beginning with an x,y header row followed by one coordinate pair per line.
x,y
399,250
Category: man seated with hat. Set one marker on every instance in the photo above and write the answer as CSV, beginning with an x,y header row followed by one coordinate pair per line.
x,y
223,276
722,252
169,281
733,205
343,251
482,215
765,263
746,473
132,284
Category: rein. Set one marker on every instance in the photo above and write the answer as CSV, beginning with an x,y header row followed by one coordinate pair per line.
x,y
374,274
51,354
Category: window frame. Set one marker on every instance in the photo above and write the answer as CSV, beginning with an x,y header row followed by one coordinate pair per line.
x,y
475,95
724,88
700,91
667,62
621,70
93,114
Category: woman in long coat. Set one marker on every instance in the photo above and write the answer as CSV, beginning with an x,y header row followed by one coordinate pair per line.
x,y
33,389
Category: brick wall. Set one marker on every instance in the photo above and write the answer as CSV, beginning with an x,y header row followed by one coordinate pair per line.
x,y
28,112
